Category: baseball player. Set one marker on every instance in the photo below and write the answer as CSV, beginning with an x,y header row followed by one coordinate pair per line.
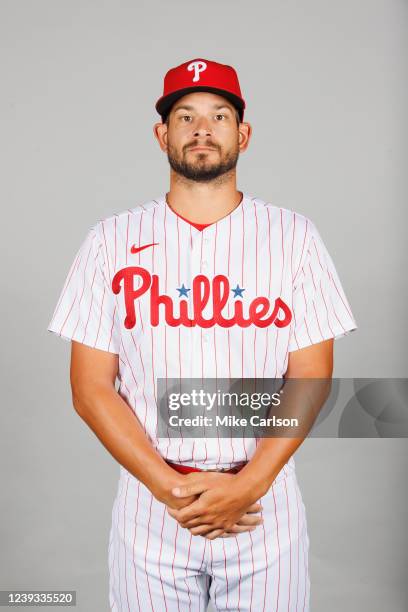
x,y
204,281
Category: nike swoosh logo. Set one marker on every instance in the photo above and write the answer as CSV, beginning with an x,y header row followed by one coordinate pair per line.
x,y
136,249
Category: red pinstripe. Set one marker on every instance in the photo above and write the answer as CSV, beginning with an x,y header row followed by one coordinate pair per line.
x,y
305,566
134,541
242,330
151,329
269,286
106,249
290,545
139,255
317,252
124,540
228,331
201,344
111,331
160,553
74,268
334,310
335,314
114,265
100,316
225,569
312,275
340,296
212,572
138,349
306,311
76,294
82,294
279,558
214,273
201,329
317,319
303,246
283,251
165,288
327,311
172,566
112,565
188,559
215,341
179,333
280,293
242,285
147,545
298,543
256,278
293,241
266,560
119,580
253,569
128,363
127,240
90,307
239,571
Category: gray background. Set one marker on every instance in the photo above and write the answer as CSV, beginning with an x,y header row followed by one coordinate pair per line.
x,y
326,92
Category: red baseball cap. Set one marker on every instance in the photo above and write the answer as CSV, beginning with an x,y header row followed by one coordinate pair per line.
x,y
200,75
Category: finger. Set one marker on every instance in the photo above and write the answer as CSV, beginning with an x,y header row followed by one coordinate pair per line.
x,y
201,529
254,508
195,522
250,519
214,534
240,529
190,512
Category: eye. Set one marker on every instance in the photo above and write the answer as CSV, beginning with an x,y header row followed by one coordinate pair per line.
x,y
220,115
185,117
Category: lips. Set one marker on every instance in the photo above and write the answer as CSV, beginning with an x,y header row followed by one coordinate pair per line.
x,y
201,147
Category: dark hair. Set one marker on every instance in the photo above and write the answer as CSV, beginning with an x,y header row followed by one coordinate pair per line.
x,y
165,118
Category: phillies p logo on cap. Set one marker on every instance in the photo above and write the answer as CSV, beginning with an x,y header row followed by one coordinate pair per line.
x,y
200,75
197,67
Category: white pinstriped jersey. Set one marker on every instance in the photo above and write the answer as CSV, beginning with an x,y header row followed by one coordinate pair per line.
x,y
172,301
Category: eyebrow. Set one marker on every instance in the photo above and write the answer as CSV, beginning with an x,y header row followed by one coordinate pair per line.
x,y
189,107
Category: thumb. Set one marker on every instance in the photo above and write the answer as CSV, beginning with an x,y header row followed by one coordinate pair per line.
x,y
189,490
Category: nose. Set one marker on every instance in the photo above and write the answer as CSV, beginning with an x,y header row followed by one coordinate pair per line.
x,y
202,127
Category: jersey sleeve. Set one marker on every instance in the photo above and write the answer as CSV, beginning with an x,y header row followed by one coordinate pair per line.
x,y
320,307
86,309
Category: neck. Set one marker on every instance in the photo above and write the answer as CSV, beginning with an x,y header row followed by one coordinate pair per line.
x,y
203,202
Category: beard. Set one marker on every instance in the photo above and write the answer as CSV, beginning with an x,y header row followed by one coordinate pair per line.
x,y
200,169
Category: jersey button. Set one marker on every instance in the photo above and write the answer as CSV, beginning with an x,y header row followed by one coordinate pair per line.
x,y
204,265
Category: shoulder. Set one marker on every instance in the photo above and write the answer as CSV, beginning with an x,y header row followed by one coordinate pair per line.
x,y
301,226
116,224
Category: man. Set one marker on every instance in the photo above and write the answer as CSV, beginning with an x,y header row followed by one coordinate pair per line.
x,y
204,281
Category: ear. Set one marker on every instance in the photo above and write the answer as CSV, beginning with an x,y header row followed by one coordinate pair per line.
x,y
160,132
245,132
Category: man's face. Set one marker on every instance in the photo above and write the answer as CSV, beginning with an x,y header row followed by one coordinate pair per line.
x,y
202,136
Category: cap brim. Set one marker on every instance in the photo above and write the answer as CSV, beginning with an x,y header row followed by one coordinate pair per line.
x,y
164,104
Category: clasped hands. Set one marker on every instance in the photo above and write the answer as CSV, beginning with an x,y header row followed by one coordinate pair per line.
x,y
214,504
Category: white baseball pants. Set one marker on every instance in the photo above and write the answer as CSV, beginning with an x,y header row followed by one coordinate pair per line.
x,y
154,564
